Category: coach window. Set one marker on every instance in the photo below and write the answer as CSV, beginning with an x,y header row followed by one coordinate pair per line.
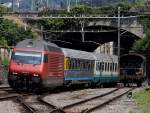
x,y
116,67
86,65
112,66
105,66
81,65
75,61
92,65
108,66
74,64
97,66
78,64
102,66
69,63
89,65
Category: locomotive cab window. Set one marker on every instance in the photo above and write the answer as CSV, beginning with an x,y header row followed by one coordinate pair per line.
x,y
27,57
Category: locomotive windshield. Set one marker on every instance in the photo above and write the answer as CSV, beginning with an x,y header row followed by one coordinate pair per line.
x,y
27,57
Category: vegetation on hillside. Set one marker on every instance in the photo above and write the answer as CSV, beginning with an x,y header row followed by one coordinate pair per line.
x,y
143,45
142,99
11,32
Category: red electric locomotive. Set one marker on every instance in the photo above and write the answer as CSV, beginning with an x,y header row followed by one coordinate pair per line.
x,y
35,64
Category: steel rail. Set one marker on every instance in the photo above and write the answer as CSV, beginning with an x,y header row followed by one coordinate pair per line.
x,y
107,102
51,105
8,97
25,105
5,86
81,102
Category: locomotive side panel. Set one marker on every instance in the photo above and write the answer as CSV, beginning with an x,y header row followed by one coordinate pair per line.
x,y
55,67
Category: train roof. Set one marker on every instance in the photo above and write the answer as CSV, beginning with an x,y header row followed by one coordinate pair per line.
x,y
37,44
78,54
106,57
88,55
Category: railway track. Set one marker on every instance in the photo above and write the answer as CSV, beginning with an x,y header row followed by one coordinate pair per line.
x,y
94,103
7,93
34,104
7,88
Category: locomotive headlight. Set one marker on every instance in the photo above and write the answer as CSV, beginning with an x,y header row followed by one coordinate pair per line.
x,y
14,73
36,75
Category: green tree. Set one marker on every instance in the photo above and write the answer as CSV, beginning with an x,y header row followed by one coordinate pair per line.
x,y
10,33
143,46
3,42
4,9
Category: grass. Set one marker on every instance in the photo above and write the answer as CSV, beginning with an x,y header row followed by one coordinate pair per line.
x,y
130,112
142,99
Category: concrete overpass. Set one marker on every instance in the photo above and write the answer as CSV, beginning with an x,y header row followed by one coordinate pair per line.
x,y
102,31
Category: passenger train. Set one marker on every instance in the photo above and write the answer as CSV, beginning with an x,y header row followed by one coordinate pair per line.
x,y
37,64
